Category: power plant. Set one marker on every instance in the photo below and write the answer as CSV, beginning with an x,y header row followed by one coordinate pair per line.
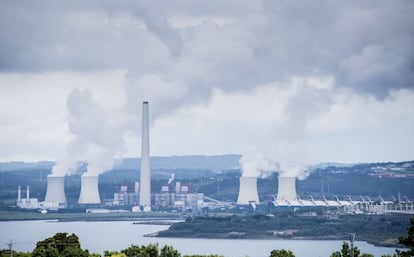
x,y
180,195
248,191
145,179
286,189
89,193
55,192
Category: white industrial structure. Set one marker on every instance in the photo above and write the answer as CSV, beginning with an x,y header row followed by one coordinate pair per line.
x,y
178,196
89,193
286,189
27,202
55,193
248,191
145,179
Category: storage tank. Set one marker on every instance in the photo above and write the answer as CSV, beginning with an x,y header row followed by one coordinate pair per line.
x,y
55,192
286,189
248,191
89,190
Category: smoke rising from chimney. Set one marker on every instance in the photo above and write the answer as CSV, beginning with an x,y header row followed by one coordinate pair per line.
x,y
171,179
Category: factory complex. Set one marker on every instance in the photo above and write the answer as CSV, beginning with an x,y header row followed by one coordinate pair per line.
x,y
175,195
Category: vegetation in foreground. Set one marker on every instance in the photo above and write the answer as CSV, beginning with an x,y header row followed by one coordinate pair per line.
x,y
64,245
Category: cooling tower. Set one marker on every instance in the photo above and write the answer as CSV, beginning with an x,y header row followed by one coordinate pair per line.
x,y
287,189
145,188
248,191
55,192
89,190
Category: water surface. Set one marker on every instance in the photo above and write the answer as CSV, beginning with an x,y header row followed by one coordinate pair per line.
x,y
98,236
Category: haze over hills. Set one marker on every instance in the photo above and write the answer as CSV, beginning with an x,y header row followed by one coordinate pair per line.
x,y
213,163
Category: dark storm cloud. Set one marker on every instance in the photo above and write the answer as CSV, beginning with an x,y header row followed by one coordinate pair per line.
x,y
365,45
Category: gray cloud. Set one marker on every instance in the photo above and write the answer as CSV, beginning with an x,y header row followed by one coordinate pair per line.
x,y
366,46
181,52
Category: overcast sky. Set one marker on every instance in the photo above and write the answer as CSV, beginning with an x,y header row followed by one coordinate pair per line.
x,y
309,81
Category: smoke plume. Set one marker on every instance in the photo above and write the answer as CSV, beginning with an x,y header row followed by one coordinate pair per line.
x,y
282,148
97,135
171,179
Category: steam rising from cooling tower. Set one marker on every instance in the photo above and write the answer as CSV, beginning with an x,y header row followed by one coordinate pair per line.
x,y
89,190
98,135
282,148
145,189
55,189
248,191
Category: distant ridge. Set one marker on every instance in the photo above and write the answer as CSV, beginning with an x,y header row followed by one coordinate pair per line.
x,y
215,163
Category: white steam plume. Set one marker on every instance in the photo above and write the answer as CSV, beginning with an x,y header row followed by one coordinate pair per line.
x,y
282,149
98,135
255,164
171,179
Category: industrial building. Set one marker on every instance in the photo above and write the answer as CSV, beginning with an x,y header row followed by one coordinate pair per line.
x,y
27,202
126,196
178,196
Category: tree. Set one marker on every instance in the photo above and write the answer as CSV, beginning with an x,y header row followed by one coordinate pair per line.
x,y
150,250
346,251
111,253
60,245
281,253
408,241
169,251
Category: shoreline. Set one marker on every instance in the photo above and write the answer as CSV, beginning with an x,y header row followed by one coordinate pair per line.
x,y
298,238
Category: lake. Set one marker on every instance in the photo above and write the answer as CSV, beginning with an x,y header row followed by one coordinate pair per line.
x,y
117,235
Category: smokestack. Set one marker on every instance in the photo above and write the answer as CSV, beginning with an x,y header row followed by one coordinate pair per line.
x,y
19,194
177,187
27,194
136,187
248,191
287,189
145,188
89,190
55,192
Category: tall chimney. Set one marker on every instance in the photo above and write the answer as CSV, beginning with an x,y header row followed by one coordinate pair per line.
x,y
55,192
19,194
27,194
248,191
286,189
145,187
89,193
